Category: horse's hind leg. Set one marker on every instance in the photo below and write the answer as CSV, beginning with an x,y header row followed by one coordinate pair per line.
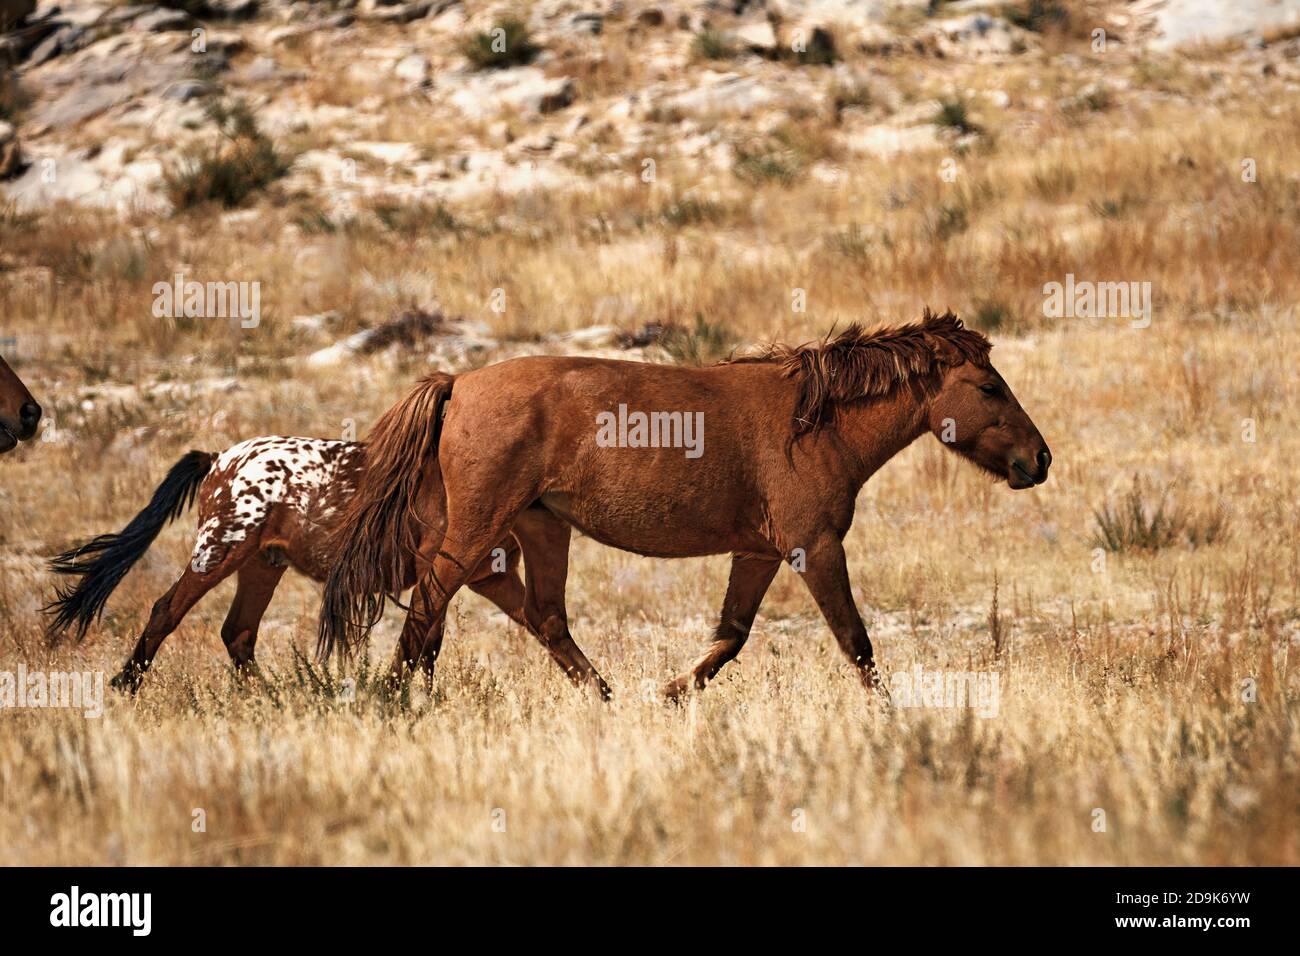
x,y
453,564
496,578
420,642
544,539
256,585
167,614
750,576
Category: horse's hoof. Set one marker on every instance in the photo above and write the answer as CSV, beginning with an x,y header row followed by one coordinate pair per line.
x,y
122,682
247,670
879,695
675,690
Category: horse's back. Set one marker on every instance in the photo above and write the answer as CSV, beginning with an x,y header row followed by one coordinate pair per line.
x,y
282,491
288,470
657,459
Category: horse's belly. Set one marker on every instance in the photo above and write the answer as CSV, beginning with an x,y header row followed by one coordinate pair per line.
x,y
646,525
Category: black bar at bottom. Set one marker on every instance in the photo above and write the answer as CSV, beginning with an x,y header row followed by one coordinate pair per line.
x,y
341,906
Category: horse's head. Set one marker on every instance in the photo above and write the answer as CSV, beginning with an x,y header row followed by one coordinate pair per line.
x,y
19,413
975,413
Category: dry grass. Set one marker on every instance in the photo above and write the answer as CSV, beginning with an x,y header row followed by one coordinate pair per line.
x,y
1154,684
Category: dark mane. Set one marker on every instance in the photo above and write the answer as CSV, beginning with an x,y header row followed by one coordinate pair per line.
x,y
859,363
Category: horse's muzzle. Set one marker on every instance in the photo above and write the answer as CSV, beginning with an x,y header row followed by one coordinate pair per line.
x,y
29,416
1024,476
12,432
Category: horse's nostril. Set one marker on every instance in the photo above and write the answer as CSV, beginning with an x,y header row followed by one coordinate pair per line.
x,y
29,414
1044,461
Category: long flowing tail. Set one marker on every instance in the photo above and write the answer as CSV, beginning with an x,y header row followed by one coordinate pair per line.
x,y
103,562
379,532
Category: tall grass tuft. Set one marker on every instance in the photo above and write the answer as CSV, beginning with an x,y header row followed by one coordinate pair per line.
x,y
1144,521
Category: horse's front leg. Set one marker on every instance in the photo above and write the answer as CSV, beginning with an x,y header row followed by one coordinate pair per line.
x,y
827,577
750,576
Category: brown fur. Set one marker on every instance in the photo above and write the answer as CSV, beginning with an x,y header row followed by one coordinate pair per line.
x,y
19,413
518,452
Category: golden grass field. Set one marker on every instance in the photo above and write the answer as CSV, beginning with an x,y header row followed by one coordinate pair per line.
x,y
1153,684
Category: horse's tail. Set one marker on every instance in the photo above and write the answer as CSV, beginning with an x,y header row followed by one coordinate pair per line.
x,y
103,562
379,532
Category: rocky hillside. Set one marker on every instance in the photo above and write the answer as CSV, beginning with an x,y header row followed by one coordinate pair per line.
x,y
457,180
449,100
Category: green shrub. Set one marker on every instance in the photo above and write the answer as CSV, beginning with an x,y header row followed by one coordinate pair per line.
x,y
955,114
242,161
852,243
1037,16
702,344
991,315
506,44
413,219
689,211
712,44
850,95
949,221
780,157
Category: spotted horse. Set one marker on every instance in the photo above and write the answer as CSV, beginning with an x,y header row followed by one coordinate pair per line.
x,y
264,505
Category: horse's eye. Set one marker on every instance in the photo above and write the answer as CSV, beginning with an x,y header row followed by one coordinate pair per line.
x,y
988,388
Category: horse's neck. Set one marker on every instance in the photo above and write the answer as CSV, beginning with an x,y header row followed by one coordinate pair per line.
x,y
876,431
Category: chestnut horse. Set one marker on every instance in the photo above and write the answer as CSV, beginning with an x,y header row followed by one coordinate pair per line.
x,y
264,505
19,413
784,441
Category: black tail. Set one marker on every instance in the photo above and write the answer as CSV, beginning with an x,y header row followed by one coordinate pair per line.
x,y
102,563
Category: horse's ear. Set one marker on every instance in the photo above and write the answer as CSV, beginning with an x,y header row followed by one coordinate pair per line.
x,y
944,351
